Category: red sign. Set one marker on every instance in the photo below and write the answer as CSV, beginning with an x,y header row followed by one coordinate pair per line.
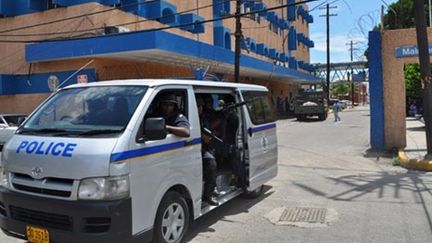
x,y
82,79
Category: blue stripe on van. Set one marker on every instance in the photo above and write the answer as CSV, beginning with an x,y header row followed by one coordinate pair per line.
x,y
261,128
151,150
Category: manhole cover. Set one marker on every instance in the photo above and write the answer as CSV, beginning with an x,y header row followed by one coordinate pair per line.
x,y
306,215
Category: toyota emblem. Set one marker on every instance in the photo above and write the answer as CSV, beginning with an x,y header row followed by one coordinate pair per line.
x,y
37,172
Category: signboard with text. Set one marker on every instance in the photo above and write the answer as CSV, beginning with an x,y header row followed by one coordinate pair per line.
x,y
409,51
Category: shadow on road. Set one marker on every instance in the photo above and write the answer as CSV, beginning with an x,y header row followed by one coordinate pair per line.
x,y
309,119
363,184
236,206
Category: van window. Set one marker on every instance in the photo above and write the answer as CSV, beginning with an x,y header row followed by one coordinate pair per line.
x,y
181,100
171,113
260,109
86,111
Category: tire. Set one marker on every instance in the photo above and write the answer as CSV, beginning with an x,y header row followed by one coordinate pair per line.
x,y
254,194
173,213
322,117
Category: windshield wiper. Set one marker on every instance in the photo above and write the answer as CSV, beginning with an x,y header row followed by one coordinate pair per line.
x,y
99,132
43,130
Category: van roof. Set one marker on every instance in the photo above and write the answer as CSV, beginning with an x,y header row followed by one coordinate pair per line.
x,y
162,82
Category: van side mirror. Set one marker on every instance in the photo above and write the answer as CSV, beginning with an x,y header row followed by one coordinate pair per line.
x,y
3,125
154,129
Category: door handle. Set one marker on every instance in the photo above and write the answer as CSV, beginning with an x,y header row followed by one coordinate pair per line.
x,y
264,144
188,143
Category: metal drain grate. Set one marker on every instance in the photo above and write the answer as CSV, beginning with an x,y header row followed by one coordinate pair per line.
x,y
307,215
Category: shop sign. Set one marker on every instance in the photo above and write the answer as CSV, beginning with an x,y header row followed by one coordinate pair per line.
x,y
409,51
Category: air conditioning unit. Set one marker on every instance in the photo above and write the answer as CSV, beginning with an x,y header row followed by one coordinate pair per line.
x,y
108,30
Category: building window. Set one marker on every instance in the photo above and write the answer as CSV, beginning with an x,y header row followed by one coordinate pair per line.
x,y
275,28
228,41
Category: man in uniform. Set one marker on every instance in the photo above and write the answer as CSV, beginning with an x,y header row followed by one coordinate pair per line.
x,y
208,155
176,123
228,133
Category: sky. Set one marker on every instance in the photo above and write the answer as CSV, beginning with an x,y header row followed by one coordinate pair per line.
x,y
353,21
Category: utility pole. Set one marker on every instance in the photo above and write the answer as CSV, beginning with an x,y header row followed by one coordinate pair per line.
x,y
328,15
352,49
238,35
425,74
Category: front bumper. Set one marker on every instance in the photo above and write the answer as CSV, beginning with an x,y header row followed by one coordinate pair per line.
x,y
315,110
67,221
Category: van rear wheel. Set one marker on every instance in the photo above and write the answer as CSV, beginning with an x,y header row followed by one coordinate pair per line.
x,y
254,194
172,219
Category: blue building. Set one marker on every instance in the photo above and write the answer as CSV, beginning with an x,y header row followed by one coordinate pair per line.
x,y
46,44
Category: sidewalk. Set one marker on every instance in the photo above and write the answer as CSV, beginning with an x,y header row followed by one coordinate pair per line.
x,y
412,156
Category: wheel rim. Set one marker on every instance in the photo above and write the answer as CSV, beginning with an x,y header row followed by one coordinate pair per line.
x,y
173,222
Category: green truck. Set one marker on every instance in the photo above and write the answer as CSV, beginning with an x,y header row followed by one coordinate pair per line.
x,y
310,103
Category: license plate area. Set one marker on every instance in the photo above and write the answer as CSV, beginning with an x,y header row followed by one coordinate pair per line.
x,y
37,234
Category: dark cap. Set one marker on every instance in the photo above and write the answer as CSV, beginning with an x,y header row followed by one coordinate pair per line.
x,y
168,98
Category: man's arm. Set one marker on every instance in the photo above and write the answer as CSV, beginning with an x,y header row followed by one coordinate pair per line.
x,y
181,128
179,131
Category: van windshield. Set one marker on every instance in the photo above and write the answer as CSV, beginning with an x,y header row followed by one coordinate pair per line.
x,y
88,111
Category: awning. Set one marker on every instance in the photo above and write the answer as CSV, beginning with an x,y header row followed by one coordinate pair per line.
x,y
166,48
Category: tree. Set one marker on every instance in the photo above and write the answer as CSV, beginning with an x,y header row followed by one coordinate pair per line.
x,y
400,15
412,81
340,89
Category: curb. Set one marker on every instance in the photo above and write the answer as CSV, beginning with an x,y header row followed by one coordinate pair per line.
x,y
414,163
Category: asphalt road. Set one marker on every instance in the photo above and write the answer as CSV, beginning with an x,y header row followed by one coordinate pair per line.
x,y
322,165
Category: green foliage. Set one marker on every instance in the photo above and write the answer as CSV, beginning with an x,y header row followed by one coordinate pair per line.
x,y
400,15
404,16
340,89
412,80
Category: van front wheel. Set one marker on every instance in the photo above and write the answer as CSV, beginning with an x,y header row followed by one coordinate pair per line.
x,y
172,219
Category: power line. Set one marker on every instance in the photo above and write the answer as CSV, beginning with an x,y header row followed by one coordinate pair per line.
x,y
166,27
93,29
76,16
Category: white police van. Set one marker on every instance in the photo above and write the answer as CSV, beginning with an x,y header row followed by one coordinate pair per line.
x,y
92,163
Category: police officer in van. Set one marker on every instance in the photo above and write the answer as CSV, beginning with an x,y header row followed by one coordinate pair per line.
x,y
176,123
227,131
208,155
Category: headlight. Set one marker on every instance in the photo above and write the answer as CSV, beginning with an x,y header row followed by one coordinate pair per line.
x,y
104,188
4,180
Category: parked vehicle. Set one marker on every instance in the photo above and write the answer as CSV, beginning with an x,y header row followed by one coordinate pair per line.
x,y
8,124
310,103
120,177
343,104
